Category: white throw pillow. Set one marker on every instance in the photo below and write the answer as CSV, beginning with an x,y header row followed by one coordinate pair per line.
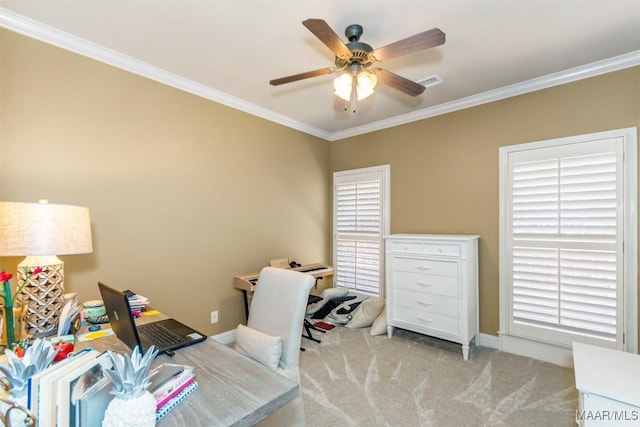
x,y
366,313
379,325
259,346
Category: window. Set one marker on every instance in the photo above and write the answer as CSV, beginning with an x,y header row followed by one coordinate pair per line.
x,y
568,240
360,220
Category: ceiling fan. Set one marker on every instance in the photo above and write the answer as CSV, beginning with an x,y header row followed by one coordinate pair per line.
x,y
356,59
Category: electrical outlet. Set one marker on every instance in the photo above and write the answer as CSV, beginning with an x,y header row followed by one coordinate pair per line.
x,y
214,317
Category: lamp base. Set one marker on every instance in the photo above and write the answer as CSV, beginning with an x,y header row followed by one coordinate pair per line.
x,y
43,293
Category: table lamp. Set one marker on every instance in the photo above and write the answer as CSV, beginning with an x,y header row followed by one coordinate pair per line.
x,y
41,231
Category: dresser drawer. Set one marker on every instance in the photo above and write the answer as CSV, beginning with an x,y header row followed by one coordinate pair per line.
x,y
426,303
420,248
441,249
426,266
405,247
432,321
425,283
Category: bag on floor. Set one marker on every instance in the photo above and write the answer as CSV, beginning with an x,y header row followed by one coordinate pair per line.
x,y
329,306
342,314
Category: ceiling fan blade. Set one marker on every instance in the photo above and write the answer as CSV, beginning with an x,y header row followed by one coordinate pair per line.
x,y
301,76
323,31
425,40
398,82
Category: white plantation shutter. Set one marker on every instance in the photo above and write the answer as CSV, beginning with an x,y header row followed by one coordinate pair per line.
x,y
359,206
359,225
565,243
358,264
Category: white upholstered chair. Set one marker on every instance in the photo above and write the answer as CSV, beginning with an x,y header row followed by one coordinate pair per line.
x,y
278,308
277,313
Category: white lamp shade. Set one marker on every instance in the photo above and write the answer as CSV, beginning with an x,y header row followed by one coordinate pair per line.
x,y
28,229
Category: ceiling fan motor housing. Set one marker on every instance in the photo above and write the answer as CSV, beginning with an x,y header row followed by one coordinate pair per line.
x,y
360,52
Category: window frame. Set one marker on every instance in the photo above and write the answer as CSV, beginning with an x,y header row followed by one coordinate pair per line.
x,y
554,352
363,173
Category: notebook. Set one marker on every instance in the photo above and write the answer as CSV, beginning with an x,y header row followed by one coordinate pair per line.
x,y
167,407
166,335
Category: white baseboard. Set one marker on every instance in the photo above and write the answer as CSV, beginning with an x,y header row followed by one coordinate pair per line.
x,y
486,340
539,350
225,338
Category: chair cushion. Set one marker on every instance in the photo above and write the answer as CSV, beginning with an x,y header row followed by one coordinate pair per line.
x,y
259,346
366,313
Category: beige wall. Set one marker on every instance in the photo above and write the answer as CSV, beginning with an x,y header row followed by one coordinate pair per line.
x,y
444,170
184,193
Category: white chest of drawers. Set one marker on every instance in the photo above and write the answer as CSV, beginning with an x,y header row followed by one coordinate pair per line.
x,y
432,286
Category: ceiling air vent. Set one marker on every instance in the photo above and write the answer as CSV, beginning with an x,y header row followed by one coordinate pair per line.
x,y
430,81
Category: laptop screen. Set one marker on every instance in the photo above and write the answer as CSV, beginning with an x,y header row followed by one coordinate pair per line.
x,y
120,317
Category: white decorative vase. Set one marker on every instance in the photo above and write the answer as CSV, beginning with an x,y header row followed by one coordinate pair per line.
x,y
136,412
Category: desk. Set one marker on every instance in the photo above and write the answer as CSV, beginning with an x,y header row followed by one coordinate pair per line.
x,y
247,282
233,390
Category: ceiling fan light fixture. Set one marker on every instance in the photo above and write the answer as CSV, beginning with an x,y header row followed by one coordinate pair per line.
x,y
342,85
365,84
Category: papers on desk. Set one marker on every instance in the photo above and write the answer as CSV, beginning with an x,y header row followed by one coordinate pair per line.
x,y
69,312
95,335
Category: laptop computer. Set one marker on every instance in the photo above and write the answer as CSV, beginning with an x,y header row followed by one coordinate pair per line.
x,y
166,335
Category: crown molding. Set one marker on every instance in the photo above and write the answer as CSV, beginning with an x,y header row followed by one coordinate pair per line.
x,y
61,39
53,36
616,63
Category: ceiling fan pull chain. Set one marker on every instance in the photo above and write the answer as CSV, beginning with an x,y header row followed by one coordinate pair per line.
x,y
353,99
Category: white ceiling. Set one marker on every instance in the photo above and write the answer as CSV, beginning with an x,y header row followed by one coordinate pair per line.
x,y
228,50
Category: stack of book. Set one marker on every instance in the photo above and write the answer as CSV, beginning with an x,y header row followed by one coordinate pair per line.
x,y
75,392
170,385
65,393
137,302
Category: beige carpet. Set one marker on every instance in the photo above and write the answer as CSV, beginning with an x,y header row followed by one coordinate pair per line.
x,y
355,379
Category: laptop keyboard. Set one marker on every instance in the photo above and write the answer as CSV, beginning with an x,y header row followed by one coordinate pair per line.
x,y
159,335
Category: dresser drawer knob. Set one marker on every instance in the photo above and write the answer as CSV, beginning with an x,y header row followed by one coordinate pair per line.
x,y
422,319
424,285
423,268
424,304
